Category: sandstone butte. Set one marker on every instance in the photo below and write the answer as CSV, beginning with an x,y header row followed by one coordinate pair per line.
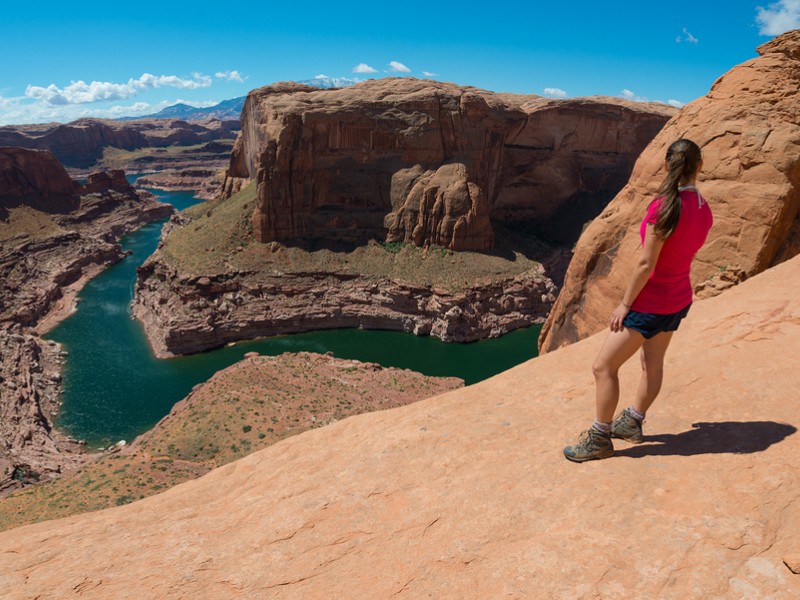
x,y
427,162
749,132
467,494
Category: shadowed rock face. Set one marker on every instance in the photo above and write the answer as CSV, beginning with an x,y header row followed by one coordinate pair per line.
x,y
748,127
37,178
427,162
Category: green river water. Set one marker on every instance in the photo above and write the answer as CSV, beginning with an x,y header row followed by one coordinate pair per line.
x,y
114,388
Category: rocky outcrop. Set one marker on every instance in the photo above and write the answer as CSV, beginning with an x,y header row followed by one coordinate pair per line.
x,y
205,182
421,161
41,270
749,131
35,178
80,144
99,183
467,495
183,313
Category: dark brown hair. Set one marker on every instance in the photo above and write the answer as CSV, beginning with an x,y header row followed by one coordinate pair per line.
x,y
683,160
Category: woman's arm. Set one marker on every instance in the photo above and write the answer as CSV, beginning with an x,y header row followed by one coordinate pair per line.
x,y
641,273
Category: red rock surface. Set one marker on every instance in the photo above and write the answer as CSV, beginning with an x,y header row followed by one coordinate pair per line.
x,y
467,495
35,177
749,131
400,159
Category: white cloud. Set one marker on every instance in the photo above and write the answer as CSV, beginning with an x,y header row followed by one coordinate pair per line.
x,y
687,37
80,92
230,76
779,17
364,68
429,74
555,92
21,110
629,95
398,67
676,103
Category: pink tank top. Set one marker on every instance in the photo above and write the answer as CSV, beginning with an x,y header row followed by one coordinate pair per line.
x,y
669,288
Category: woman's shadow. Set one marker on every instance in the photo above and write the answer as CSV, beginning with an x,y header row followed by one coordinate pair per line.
x,y
732,437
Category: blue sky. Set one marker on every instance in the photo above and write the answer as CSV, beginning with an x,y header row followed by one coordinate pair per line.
x,y
65,60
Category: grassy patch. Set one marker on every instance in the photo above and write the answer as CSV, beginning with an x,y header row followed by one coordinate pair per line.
x,y
219,239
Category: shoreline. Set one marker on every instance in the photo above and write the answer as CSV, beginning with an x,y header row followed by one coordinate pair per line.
x,y
37,299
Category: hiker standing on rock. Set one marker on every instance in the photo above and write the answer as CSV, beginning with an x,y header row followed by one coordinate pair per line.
x,y
658,297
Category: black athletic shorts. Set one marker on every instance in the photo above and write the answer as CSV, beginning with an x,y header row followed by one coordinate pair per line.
x,y
650,325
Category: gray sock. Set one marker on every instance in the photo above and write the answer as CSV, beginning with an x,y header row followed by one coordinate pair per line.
x,y
636,414
602,427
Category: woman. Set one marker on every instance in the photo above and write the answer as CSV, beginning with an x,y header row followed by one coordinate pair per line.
x,y
658,296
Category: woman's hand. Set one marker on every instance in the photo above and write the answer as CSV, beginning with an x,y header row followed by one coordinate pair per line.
x,y
618,316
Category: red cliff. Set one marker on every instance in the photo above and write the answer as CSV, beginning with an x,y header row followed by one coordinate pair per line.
x,y
35,177
749,132
427,162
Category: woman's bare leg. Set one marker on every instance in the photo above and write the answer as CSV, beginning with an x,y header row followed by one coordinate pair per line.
x,y
653,352
618,347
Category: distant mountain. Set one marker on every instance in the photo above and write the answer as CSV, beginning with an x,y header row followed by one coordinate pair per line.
x,y
227,110
231,109
324,82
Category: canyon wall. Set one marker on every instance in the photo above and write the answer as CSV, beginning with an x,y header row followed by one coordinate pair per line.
x,y
184,313
54,235
35,178
748,127
427,162
80,144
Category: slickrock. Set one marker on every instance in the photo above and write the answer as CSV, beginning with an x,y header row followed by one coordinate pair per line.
x,y
51,242
749,131
467,495
241,409
401,159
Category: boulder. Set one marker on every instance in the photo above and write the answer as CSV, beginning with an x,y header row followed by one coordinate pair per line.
x,y
749,131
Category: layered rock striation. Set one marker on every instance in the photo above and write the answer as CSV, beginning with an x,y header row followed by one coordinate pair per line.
x,y
54,235
184,313
749,131
432,163
467,495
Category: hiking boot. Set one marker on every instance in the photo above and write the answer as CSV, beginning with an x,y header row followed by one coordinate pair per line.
x,y
627,427
592,444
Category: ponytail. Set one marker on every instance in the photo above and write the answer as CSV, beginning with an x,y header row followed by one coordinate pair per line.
x,y
683,160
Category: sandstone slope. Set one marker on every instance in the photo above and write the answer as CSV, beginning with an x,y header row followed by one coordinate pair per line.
x,y
242,409
427,162
467,495
748,127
